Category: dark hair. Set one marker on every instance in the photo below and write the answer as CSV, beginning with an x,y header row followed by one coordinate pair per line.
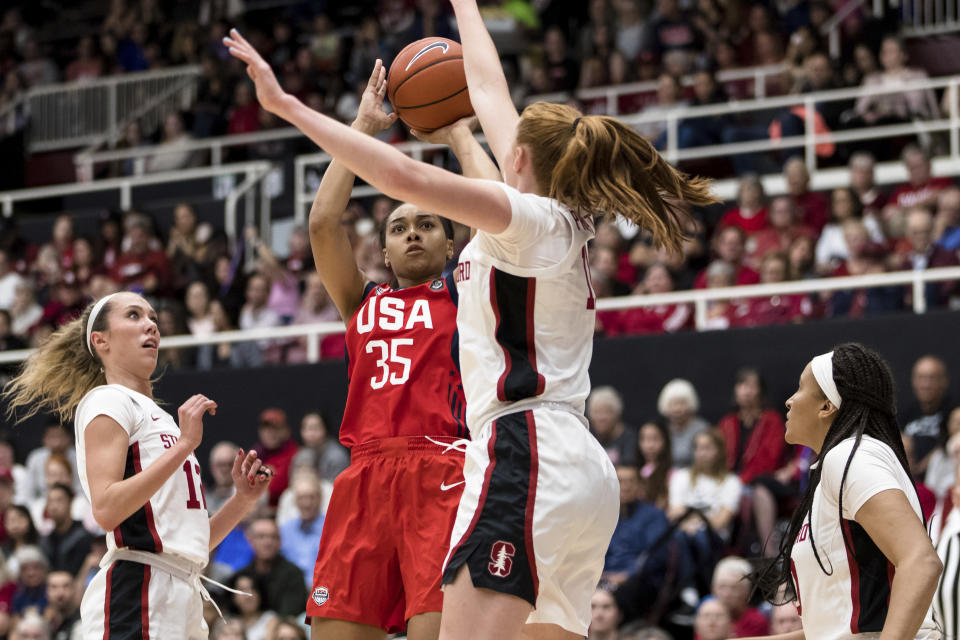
x,y
745,372
32,535
257,588
382,228
655,486
59,486
857,204
865,384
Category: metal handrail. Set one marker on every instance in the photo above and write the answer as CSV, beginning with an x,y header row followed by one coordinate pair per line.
x,y
684,112
123,78
215,145
124,185
85,160
699,298
615,91
831,28
38,101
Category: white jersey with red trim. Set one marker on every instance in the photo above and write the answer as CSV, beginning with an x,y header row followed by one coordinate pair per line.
x,y
852,601
175,519
527,311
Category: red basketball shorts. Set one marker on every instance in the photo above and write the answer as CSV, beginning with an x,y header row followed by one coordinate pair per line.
x,y
386,533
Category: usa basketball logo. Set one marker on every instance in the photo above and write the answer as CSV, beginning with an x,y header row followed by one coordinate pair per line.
x,y
320,595
501,563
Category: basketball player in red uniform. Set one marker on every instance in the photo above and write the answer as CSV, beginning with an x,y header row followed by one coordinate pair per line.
x,y
388,523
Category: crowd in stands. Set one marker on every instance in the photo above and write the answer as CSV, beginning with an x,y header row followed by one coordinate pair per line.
x,y
323,53
702,499
699,497
201,282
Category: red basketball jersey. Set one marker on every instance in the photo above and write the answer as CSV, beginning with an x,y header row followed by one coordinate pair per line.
x,y
403,365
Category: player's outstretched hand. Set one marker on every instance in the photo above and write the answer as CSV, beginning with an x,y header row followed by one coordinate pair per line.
x,y
269,92
371,116
191,415
445,135
250,477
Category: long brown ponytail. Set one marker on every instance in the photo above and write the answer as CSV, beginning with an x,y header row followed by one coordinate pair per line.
x,y
59,373
598,165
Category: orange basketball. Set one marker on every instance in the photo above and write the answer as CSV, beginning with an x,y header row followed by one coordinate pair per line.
x,y
427,85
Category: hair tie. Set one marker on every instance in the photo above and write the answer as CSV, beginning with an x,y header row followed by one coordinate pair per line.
x,y
822,368
576,121
92,319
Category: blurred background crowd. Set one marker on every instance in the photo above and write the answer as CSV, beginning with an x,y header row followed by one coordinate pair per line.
x,y
699,496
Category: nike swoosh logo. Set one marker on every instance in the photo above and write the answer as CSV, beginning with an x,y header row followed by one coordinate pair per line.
x,y
155,419
446,487
423,52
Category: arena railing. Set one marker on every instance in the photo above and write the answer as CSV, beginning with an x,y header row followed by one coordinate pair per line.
x,y
612,93
774,184
923,18
87,160
810,139
253,173
808,142
89,112
700,299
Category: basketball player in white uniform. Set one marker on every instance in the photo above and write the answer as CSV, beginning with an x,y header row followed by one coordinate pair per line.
x,y
856,552
540,499
138,469
541,496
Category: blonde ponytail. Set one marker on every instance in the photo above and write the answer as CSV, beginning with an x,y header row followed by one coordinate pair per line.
x,y
597,165
59,373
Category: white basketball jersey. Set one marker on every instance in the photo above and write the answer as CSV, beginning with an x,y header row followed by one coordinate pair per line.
x,y
850,599
526,315
175,519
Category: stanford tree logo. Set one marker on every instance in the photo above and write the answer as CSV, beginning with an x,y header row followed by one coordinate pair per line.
x,y
501,562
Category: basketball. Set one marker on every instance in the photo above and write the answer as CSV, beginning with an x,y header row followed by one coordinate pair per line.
x,y
427,85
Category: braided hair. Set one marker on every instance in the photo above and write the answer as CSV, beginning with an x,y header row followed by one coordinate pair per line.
x,y
865,384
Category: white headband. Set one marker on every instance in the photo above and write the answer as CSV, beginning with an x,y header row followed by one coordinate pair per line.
x,y
822,368
97,308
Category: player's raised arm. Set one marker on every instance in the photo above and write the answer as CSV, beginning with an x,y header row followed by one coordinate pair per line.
x,y
474,203
474,161
332,252
489,92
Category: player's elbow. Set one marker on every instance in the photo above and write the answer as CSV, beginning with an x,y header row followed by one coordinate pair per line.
x,y
925,562
107,518
321,220
932,566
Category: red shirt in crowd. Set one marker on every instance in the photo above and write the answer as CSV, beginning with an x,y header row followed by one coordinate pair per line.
x,y
764,447
245,119
750,224
279,460
751,624
781,309
908,195
768,240
815,208
665,318
131,270
745,275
